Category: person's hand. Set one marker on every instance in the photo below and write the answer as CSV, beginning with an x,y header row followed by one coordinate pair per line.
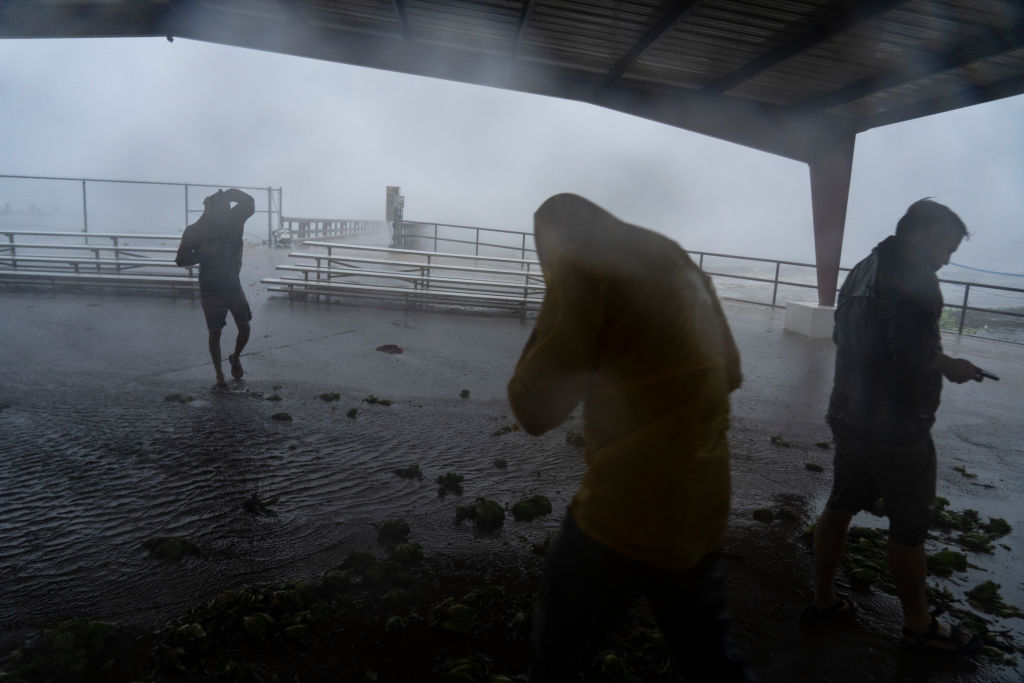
x,y
960,370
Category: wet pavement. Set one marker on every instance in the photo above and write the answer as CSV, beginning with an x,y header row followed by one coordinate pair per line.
x,y
95,458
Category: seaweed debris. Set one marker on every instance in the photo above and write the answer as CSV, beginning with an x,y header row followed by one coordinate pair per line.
x,y
813,467
170,547
282,417
485,514
777,440
328,396
180,398
410,472
390,348
500,463
450,482
464,393
373,400
575,437
253,505
506,429
531,508
392,532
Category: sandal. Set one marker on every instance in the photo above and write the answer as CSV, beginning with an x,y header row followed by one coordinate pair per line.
x,y
957,641
842,608
236,366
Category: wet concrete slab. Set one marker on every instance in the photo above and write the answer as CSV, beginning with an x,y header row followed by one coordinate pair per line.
x,y
96,459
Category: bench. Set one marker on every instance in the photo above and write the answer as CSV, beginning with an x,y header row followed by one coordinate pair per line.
x,y
414,277
111,260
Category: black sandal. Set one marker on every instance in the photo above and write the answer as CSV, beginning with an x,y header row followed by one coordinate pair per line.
x,y
957,641
236,366
842,608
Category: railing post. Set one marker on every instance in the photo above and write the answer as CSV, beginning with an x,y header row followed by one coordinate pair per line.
x,y
270,223
963,309
775,285
523,252
186,205
476,246
435,237
85,215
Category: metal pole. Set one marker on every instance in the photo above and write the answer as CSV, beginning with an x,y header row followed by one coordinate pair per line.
x,y
963,309
270,227
186,205
775,286
476,247
435,237
85,215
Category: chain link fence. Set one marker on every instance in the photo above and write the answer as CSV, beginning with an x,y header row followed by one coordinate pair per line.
x,y
47,204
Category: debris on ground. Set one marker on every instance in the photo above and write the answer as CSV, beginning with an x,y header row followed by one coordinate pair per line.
x,y
170,547
531,508
500,463
328,396
485,514
813,467
985,597
779,441
464,393
373,400
514,427
282,417
963,470
274,397
253,505
764,515
946,561
390,348
352,412
392,532
450,482
180,398
824,445
575,437
410,472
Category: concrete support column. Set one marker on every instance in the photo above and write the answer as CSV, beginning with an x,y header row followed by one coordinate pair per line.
x,y
830,190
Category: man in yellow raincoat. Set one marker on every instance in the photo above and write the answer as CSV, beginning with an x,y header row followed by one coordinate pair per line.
x,y
631,327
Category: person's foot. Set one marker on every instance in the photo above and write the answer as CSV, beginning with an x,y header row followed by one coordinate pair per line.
x,y
939,635
236,366
842,608
221,384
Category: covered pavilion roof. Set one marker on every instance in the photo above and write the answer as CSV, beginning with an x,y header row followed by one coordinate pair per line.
x,y
797,78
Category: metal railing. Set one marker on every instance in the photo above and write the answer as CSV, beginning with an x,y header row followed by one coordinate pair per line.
x,y
90,205
300,229
421,236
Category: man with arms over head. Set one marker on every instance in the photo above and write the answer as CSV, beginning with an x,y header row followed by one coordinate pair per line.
x,y
631,327
215,243
888,380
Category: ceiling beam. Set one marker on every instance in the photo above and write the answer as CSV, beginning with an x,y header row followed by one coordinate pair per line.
x,y
403,20
851,15
994,43
524,21
963,97
662,26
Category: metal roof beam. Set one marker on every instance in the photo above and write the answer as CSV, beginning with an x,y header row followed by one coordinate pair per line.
x,y
851,15
995,43
964,97
524,21
665,24
403,20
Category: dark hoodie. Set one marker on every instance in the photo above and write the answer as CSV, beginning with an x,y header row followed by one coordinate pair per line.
x,y
887,337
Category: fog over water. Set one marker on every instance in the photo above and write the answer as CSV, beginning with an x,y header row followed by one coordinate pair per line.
x,y
334,136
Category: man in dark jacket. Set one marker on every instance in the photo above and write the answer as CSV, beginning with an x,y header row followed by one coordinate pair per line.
x,y
888,380
215,243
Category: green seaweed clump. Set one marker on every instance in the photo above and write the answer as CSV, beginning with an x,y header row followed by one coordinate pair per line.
x,y
506,429
574,437
179,398
256,506
485,514
170,547
406,554
779,441
500,463
391,532
282,417
976,541
997,527
946,561
865,558
985,597
373,400
330,396
450,482
352,412
410,472
963,470
530,508
464,393
813,467
274,397
764,515
824,445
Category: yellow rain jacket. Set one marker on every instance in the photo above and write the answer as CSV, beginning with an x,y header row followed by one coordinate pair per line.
x,y
630,326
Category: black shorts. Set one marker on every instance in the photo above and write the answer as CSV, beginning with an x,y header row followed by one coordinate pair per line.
x,y
899,471
218,299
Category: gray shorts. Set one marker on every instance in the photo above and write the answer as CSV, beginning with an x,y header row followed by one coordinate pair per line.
x,y
900,472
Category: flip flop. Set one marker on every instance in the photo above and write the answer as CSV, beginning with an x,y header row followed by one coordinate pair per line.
x,y
957,641
842,608
236,366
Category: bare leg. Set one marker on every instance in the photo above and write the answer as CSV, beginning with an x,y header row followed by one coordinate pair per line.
x,y
909,569
215,355
829,537
240,341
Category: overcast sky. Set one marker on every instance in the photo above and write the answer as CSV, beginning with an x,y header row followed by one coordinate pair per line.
x,y
334,136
